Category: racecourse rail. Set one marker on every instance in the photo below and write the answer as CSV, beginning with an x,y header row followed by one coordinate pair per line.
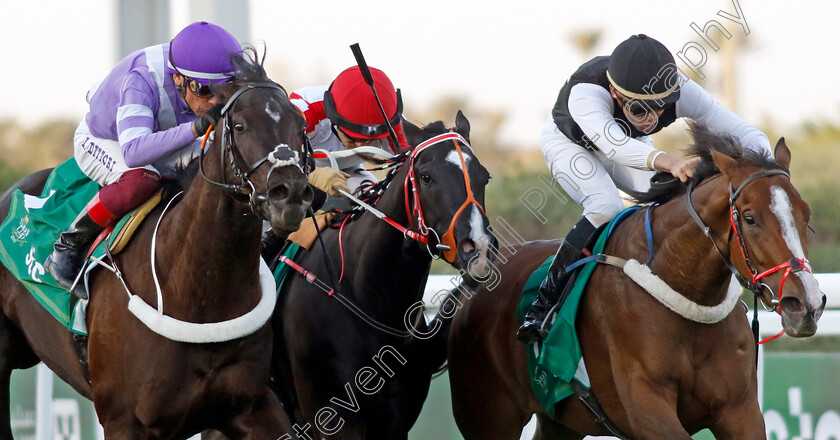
x,y
436,286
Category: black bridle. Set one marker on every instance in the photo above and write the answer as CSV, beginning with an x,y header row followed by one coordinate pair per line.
x,y
281,156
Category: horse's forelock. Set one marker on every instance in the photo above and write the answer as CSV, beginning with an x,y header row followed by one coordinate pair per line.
x,y
248,67
415,135
435,128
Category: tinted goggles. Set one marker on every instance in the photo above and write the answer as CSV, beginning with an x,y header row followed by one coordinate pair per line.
x,y
198,88
371,131
639,108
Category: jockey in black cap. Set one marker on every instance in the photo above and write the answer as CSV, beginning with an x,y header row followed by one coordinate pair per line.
x,y
597,141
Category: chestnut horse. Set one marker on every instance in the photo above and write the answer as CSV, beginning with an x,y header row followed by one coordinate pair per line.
x,y
207,263
656,374
342,376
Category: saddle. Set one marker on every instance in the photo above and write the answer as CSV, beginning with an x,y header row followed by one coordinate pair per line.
x,y
129,227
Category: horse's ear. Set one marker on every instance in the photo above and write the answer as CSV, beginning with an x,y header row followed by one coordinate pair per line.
x,y
413,134
727,165
782,154
462,125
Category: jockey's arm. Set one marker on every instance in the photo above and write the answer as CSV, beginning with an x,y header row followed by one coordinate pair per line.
x,y
591,107
698,105
136,120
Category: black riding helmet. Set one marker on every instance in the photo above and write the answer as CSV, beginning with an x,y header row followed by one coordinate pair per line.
x,y
643,69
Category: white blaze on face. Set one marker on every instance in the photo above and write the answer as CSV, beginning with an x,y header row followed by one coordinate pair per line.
x,y
479,266
781,207
455,159
274,115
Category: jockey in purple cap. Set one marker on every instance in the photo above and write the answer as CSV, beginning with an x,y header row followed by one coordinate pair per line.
x,y
144,120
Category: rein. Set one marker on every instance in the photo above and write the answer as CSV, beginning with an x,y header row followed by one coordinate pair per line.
x,y
753,284
422,236
281,156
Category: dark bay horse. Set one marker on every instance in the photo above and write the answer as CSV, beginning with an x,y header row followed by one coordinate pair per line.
x,y
207,262
656,374
349,379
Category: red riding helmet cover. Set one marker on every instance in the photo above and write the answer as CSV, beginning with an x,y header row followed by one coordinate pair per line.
x,y
350,104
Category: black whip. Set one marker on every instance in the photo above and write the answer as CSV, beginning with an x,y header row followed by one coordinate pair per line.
x,y
363,67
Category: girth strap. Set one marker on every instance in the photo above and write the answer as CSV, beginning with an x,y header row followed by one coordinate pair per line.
x,y
588,399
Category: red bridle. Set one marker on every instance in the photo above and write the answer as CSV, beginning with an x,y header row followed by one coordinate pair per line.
x,y
793,265
447,245
448,239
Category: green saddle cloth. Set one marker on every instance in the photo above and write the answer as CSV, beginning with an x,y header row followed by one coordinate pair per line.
x,y
32,227
553,364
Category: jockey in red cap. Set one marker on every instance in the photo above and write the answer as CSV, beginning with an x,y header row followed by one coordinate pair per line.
x,y
345,115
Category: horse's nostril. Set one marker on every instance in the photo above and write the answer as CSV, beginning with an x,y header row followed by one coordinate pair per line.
x,y
308,195
280,192
792,305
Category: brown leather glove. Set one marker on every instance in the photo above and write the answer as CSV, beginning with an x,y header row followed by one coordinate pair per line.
x,y
329,180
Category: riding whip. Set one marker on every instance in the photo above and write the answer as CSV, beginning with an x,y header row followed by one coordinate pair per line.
x,y
363,67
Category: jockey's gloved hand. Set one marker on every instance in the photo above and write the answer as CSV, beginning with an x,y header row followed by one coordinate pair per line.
x,y
200,125
329,180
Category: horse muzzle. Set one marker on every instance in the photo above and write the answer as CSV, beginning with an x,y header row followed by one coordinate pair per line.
x,y
474,252
287,203
802,308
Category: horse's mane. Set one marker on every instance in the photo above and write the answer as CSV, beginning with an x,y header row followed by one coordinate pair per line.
x,y
704,143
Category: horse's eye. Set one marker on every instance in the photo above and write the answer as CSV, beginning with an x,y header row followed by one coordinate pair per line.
x,y
748,219
239,127
425,178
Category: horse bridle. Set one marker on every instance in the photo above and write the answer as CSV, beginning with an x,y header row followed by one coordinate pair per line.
x,y
446,245
449,248
793,265
281,156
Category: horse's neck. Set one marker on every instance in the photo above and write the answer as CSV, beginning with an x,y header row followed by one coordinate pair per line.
x,y
213,242
385,266
682,252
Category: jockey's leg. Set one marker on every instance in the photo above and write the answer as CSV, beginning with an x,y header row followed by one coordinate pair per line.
x,y
111,203
534,328
585,179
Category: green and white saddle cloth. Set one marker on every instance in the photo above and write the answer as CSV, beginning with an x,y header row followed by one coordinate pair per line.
x,y
34,223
